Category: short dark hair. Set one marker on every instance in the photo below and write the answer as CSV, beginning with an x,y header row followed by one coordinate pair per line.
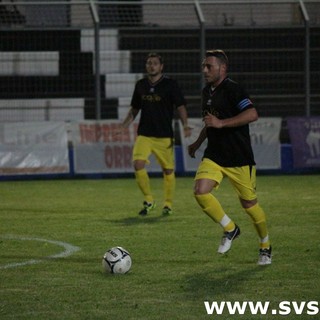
x,y
219,54
155,55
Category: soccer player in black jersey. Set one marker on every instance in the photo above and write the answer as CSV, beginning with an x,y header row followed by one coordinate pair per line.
x,y
157,97
227,111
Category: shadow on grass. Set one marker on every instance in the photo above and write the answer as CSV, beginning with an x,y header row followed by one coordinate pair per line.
x,y
219,281
132,221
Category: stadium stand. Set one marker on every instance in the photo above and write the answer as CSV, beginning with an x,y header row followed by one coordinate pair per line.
x,y
59,63
60,109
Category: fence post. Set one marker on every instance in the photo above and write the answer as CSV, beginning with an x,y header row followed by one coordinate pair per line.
x,y
202,36
96,21
307,56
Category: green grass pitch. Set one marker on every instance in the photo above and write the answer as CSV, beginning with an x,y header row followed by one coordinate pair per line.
x,y
175,264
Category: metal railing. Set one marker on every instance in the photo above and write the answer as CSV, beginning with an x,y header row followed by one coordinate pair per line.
x,y
180,30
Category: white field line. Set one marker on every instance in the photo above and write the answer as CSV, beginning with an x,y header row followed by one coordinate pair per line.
x,y
69,249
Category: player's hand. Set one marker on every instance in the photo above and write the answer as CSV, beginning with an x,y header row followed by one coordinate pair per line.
x,y
192,148
187,131
212,121
118,132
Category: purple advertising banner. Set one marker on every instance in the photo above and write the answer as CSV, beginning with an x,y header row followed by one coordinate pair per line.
x,y
305,139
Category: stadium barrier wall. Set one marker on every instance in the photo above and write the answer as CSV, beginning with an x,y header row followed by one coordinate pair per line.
x,y
287,167
88,149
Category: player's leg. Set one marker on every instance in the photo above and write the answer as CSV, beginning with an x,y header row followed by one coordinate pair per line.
x,y
163,149
141,153
169,184
258,217
209,177
244,181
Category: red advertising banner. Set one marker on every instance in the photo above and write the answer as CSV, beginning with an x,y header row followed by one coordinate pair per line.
x,y
98,149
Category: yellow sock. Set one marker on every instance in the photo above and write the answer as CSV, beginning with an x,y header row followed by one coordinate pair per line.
x,y
143,182
259,221
211,206
169,183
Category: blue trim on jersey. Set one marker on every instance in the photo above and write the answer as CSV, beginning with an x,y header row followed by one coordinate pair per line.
x,y
244,103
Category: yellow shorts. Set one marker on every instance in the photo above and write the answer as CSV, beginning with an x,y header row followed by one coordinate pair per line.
x,y
162,148
243,179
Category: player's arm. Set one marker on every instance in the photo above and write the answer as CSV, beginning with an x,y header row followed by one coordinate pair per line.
x,y
132,113
183,115
243,118
192,148
129,118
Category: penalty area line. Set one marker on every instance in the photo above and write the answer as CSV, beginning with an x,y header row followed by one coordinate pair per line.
x,y
69,249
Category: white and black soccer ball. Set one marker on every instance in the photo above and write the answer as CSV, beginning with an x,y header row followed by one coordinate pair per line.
x,y
117,260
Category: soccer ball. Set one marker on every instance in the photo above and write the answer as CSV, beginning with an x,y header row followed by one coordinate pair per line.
x,y
117,260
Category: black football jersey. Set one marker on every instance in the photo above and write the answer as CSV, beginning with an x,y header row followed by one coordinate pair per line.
x,y
157,102
229,147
